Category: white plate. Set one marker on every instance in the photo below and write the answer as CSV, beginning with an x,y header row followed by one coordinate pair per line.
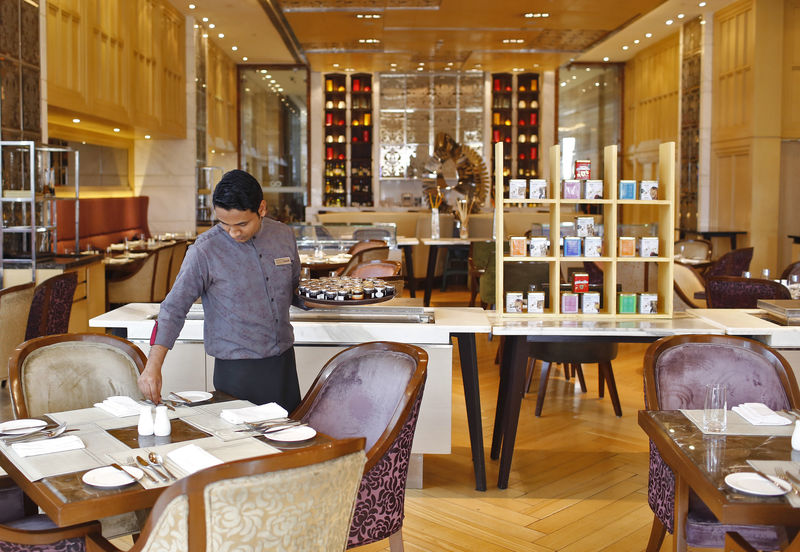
x,y
291,434
752,483
108,476
195,396
21,427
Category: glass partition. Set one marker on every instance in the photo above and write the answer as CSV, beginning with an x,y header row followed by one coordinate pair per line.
x,y
273,116
342,236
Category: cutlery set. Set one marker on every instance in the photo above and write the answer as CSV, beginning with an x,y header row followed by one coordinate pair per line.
x,y
274,425
155,463
38,435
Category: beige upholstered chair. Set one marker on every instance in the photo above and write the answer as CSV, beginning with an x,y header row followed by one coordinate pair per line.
x,y
376,269
161,276
178,253
299,501
694,249
15,302
71,371
135,288
687,281
363,256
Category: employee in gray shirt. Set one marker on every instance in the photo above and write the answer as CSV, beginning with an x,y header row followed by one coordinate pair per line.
x,y
245,269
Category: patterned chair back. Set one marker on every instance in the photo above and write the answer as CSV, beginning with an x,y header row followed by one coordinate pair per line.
x,y
299,500
51,306
734,292
732,263
372,390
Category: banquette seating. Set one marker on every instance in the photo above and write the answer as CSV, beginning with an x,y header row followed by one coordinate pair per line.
x,y
103,221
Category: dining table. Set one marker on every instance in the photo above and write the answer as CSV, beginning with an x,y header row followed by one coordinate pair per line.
x,y
56,482
322,265
709,464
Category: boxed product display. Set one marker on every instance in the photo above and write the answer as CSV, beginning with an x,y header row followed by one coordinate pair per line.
x,y
627,247
514,301
572,246
627,189
538,247
538,188
648,303
593,246
536,301
517,246
648,247
517,188
590,302
584,226
593,189
580,282
627,303
583,169
569,303
648,189
571,189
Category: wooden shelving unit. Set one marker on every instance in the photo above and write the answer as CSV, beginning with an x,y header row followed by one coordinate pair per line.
x,y
609,261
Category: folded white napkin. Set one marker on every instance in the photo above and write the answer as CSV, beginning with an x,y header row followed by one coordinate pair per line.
x,y
192,458
253,413
47,446
120,406
760,414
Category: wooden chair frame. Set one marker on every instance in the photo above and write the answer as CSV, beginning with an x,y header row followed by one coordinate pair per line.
x,y
152,257
193,487
395,425
25,349
395,266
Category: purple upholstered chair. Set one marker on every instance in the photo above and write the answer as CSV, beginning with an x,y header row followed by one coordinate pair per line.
x,y
735,292
372,390
51,306
676,370
732,263
22,530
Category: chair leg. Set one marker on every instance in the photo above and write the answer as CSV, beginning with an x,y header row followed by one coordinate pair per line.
x,y
608,375
576,366
499,355
396,541
473,292
601,382
657,533
529,374
542,387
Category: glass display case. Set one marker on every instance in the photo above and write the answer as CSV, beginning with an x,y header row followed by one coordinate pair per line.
x,y
339,237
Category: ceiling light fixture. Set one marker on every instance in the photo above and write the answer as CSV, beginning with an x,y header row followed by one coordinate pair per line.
x,y
681,16
76,121
205,35
192,6
244,58
368,15
531,15
392,65
636,41
670,22
205,20
588,69
625,47
221,35
335,65
263,71
563,84
648,35
605,58
211,26
234,48
513,41
702,4
146,136
369,41
116,130
420,68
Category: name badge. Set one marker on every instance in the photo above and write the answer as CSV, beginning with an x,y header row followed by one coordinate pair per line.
x,y
283,261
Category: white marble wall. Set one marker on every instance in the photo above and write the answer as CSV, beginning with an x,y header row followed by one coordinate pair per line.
x,y
316,122
164,170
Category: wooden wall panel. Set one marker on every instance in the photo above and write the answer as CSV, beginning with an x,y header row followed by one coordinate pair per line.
x,y
144,64
66,54
173,70
731,187
791,70
734,34
221,100
109,52
652,92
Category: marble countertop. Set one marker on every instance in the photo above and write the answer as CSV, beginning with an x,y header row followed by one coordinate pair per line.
x,y
637,327
58,262
749,322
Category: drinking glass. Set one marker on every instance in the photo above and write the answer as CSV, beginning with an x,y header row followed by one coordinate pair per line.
x,y
765,274
746,274
305,273
794,286
715,411
715,450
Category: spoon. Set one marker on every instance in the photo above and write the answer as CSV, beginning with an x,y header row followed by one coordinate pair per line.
x,y
156,459
35,436
145,464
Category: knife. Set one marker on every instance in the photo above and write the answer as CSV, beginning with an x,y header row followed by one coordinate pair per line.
x,y
144,464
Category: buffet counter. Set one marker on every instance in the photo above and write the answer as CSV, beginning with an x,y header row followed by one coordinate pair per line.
x,y
320,334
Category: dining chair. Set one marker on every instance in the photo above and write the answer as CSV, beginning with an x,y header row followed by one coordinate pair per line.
x,y
372,390
676,371
687,282
161,274
136,287
299,500
793,268
376,269
732,263
481,254
372,233
365,244
15,304
71,371
371,254
735,292
698,249
52,305
178,253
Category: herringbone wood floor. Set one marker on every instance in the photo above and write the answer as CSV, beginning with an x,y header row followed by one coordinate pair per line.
x,y
579,475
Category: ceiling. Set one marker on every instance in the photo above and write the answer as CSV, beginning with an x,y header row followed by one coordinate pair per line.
x,y
407,35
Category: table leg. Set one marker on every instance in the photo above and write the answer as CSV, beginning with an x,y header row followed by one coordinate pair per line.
x,y
516,390
680,513
794,546
412,284
433,251
502,390
472,399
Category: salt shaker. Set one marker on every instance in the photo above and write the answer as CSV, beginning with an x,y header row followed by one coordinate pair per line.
x,y
145,421
796,436
161,426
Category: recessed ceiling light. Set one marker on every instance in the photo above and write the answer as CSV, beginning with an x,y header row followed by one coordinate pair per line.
x,y
420,68
597,84
563,83
196,26
221,35
368,15
605,58
421,63
574,77
244,58
702,4
681,16
335,65
513,41
76,120
648,35
234,48
205,20
588,68
263,71
116,130
192,6
146,136
625,47
205,35
450,63
447,68
703,22
392,65
636,41
669,21
211,26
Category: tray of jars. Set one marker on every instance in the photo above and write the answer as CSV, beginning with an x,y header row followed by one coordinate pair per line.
x,y
345,291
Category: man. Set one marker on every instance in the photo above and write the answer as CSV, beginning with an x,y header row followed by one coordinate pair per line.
x,y
245,269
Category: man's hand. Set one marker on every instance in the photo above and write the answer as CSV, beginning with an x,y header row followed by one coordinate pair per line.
x,y
150,379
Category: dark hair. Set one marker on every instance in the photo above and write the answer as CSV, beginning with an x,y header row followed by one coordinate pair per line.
x,y
238,190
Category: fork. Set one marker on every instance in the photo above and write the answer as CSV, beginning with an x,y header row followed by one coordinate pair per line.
x,y
789,478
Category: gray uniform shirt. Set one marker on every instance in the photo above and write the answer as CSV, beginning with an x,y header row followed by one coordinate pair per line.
x,y
246,289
